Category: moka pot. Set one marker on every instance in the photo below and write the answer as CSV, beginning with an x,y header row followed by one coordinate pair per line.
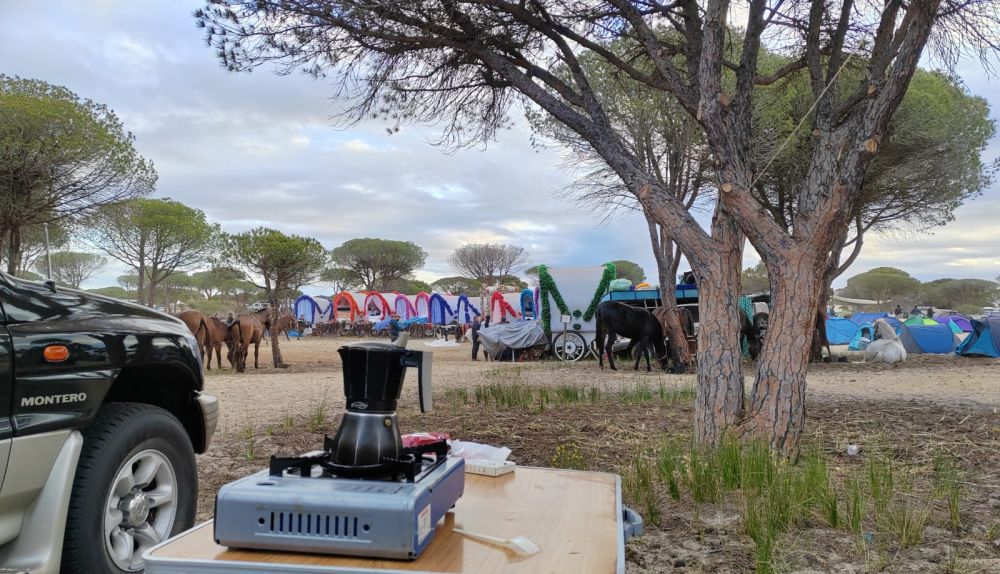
x,y
368,438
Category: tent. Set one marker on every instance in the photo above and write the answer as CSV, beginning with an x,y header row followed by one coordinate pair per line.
x,y
935,338
345,307
422,303
840,331
957,319
311,308
984,341
858,317
376,306
529,303
464,309
863,336
953,326
441,311
404,307
920,321
500,307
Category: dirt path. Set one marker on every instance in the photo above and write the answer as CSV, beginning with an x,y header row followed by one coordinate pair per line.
x,y
268,396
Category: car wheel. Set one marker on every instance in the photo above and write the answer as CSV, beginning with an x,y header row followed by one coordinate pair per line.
x,y
136,485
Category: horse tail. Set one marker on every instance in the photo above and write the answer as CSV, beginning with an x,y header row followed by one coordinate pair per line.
x,y
202,339
600,338
237,342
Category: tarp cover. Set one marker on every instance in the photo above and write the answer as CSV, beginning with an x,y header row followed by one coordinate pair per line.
x,y
984,341
403,324
514,335
840,331
621,284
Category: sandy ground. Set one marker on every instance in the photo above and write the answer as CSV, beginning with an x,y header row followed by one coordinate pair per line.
x,y
269,395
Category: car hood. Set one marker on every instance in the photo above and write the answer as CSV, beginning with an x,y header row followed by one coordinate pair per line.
x,y
32,302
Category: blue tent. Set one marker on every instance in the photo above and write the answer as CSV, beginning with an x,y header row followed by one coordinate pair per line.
x,y
840,331
864,335
441,311
928,339
312,308
464,309
896,323
984,341
858,317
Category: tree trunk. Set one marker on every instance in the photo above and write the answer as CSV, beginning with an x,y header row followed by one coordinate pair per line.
x,y
719,401
276,358
663,251
717,264
777,402
14,250
151,295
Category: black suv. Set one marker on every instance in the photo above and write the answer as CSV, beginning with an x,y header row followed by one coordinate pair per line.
x,y
101,412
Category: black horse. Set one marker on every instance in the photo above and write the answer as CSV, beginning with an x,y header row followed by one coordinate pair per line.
x,y
750,333
639,325
755,329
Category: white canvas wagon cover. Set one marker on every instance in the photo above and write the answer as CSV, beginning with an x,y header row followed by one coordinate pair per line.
x,y
514,335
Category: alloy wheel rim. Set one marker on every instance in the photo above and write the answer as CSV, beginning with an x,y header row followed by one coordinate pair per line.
x,y
140,508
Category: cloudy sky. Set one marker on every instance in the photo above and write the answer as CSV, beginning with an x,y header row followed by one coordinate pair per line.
x,y
259,149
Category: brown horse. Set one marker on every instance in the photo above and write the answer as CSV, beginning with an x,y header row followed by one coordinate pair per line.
x,y
198,326
283,324
248,329
218,333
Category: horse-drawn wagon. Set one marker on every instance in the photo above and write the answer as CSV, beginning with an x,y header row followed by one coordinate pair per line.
x,y
568,297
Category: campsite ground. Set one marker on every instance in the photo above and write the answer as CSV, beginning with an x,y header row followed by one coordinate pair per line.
x,y
912,414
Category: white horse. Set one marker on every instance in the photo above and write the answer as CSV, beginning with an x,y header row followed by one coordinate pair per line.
x,y
886,347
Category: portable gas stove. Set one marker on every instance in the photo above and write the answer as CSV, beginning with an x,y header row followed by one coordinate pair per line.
x,y
301,505
363,494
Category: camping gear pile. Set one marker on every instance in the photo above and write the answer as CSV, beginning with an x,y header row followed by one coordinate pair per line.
x,y
502,340
364,494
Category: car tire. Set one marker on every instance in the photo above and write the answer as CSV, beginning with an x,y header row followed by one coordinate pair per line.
x,y
128,444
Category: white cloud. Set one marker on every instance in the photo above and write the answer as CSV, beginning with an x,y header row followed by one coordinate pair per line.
x,y
358,145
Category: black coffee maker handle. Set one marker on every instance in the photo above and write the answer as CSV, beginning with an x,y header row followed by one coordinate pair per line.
x,y
422,361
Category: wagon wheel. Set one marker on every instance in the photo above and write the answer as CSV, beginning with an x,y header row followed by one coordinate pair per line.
x,y
594,348
569,346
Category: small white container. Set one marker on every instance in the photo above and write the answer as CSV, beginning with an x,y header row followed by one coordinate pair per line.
x,y
489,467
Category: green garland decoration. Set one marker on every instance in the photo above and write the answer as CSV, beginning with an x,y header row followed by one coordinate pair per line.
x,y
577,313
547,286
577,326
602,288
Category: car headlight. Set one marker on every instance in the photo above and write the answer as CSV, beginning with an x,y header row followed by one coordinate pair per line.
x,y
195,349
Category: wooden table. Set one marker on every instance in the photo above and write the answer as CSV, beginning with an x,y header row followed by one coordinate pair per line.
x,y
574,517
